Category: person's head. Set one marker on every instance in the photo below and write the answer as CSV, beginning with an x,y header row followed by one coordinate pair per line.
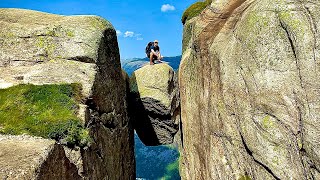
x,y
156,42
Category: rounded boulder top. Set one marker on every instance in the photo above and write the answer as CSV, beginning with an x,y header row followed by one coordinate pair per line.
x,y
37,18
37,36
153,81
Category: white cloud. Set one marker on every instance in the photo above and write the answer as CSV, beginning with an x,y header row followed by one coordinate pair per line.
x,y
128,34
131,34
167,7
138,36
119,33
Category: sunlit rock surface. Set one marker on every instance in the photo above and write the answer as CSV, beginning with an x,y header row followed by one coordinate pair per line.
x,y
249,84
41,48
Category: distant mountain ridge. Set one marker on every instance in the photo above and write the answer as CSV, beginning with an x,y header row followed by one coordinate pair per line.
x,y
130,65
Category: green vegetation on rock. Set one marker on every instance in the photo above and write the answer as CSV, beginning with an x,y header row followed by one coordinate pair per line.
x,y
172,171
187,35
267,122
194,10
48,111
244,177
98,23
59,31
47,44
70,33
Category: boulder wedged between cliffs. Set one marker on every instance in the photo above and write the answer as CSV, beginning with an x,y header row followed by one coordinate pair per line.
x,y
154,100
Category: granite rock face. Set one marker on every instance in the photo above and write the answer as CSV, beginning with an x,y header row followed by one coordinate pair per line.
x,y
249,84
26,157
154,104
40,48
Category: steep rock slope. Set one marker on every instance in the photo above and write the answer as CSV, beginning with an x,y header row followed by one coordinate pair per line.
x,y
154,104
40,48
249,84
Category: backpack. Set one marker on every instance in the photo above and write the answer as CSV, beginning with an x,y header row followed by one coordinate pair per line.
x,y
148,47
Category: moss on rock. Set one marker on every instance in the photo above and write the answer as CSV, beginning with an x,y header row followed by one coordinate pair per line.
x,y
244,177
47,111
267,122
194,10
187,36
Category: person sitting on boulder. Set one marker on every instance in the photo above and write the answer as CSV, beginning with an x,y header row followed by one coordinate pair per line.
x,y
155,53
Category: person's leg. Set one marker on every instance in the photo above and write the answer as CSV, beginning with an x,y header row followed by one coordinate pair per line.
x,y
151,58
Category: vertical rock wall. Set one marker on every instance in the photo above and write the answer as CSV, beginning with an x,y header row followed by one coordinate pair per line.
x,y
112,154
249,84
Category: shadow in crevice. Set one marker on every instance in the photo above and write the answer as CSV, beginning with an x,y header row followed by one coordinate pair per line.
x,y
111,132
141,120
180,128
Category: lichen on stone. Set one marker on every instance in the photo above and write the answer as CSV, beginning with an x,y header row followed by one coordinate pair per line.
x,y
47,45
244,177
267,122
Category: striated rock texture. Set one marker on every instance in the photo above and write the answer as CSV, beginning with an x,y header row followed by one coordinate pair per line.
x,y
25,157
154,104
249,84
41,48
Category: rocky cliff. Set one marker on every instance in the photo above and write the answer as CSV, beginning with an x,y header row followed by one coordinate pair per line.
x,y
249,84
39,48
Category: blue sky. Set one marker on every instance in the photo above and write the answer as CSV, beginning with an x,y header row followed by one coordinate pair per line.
x,y
139,21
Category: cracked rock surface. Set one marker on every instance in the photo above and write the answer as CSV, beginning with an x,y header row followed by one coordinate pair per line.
x,y
154,104
249,84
